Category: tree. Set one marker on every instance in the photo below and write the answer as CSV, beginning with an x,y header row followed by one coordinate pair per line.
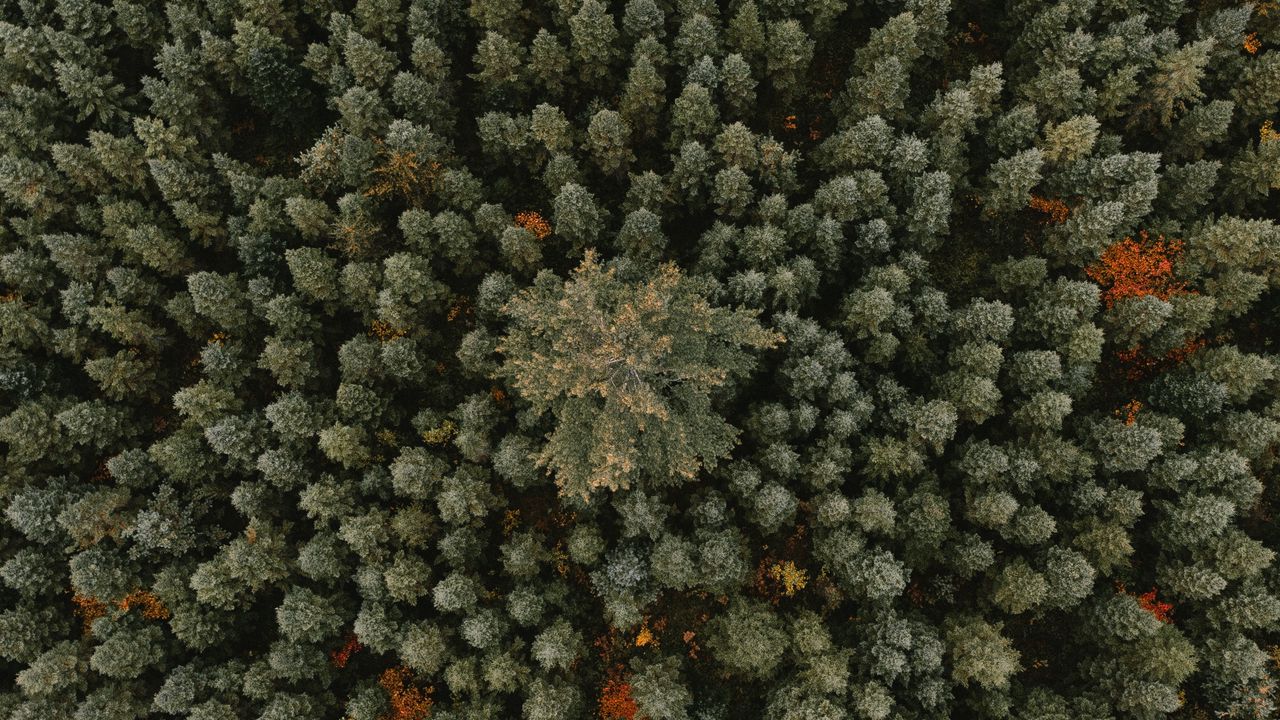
x,y
642,17
306,616
626,369
981,654
788,52
1011,180
294,354
608,137
578,218
643,97
659,692
557,646
739,86
748,638
499,60
693,115
548,60
594,40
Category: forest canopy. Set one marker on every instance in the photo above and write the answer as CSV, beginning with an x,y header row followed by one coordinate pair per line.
x,y
639,359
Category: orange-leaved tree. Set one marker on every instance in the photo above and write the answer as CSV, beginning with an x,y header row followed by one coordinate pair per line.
x,y
616,702
533,221
1137,268
150,605
1055,209
1163,611
340,657
90,608
408,701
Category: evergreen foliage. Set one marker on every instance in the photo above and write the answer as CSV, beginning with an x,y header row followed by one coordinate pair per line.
x,y
667,359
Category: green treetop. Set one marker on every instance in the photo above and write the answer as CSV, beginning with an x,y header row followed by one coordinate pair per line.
x,y
627,369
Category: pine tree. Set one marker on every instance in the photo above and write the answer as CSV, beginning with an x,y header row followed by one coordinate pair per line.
x,y
629,394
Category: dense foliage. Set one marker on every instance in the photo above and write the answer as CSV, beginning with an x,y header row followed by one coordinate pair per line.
x,y
666,359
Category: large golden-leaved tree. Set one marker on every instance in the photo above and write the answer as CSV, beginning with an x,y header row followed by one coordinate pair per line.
x,y
627,370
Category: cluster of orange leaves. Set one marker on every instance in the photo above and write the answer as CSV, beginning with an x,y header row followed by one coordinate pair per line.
x,y
1162,611
408,701
460,307
402,174
500,397
689,638
779,575
645,637
90,608
560,558
616,702
151,606
780,578
647,634
1129,411
340,657
354,237
385,331
1252,44
510,521
1136,268
1267,133
1139,364
608,645
1056,210
815,129
791,123
533,222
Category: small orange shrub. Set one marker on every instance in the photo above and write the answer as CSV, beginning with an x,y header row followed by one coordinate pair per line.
x,y
90,608
644,637
790,578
